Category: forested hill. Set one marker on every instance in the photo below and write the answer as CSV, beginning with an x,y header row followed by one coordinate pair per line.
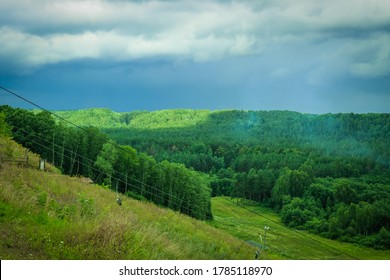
x,y
210,140
344,134
105,118
329,174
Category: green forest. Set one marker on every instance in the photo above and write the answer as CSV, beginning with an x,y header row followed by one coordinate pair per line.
x,y
85,151
328,174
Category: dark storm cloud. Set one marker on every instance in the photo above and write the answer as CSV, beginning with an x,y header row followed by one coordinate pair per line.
x,y
246,54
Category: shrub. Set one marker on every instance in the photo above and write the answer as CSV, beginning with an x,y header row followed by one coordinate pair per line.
x,y
87,207
41,199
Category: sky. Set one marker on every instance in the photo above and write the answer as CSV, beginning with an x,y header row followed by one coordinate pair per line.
x,y
309,56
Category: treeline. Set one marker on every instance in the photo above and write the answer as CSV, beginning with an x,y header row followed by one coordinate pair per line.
x,y
90,153
325,173
353,210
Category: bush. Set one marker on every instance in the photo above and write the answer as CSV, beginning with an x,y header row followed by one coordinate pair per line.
x,y
41,199
382,240
317,225
296,213
87,208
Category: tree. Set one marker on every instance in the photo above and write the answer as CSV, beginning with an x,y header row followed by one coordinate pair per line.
x,y
127,167
323,193
5,128
281,189
344,192
92,141
364,218
298,212
105,162
299,181
383,239
292,183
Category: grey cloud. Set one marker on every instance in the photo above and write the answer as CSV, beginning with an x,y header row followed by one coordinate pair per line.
x,y
41,32
155,17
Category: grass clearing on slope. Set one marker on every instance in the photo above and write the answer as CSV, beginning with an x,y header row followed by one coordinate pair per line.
x,y
283,242
50,216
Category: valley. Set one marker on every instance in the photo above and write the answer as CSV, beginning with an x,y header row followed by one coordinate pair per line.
x,y
320,182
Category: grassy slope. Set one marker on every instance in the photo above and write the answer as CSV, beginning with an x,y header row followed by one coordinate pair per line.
x,y
46,215
283,243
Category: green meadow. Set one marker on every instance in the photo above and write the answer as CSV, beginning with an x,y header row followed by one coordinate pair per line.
x,y
247,221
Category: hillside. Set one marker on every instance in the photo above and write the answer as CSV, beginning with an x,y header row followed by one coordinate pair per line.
x,y
98,117
247,220
327,174
326,133
88,152
46,215
324,174
105,118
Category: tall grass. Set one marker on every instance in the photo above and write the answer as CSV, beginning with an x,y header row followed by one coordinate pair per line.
x,y
282,242
45,215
